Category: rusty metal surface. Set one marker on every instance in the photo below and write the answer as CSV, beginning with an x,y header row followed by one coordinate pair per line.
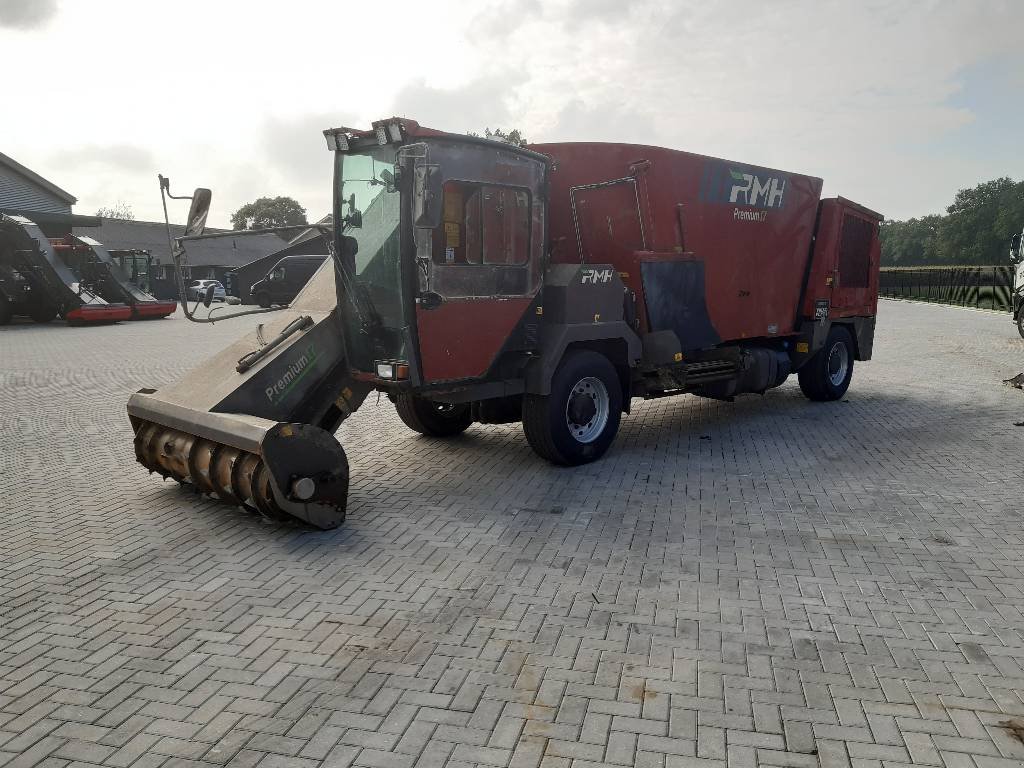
x,y
752,226
235,476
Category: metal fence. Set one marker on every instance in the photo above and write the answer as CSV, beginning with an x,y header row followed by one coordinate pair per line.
x,y
983,287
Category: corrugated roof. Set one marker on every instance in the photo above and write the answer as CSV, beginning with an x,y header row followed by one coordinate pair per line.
x,y
35,178
151,236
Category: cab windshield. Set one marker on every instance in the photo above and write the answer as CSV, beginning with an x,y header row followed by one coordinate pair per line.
x,y
368,204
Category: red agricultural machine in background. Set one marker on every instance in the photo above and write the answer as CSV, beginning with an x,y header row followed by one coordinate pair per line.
x,y
474,281
75,278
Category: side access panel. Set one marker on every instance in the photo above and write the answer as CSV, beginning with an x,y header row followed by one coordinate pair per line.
x,y
843,279
675,297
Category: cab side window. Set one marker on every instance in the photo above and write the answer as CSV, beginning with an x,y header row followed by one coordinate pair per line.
x,y
483,225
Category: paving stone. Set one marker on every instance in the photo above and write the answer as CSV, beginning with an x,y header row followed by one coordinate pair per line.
x,y
770,582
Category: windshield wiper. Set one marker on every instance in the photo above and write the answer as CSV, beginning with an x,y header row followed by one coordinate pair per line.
x,y
356,292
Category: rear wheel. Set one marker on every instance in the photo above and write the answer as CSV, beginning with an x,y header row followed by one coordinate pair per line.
x,y
6,313
577,422
42,313
1020,322
263,300
826,376
432,418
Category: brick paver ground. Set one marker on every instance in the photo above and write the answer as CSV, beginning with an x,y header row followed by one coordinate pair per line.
x,y
766,583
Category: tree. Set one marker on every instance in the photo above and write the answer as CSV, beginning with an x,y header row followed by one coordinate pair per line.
x,y
269,212
968,234
513,137
119,210
975,230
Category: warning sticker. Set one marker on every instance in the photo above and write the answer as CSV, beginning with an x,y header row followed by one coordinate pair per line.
x,y
449,255
452,204
451,234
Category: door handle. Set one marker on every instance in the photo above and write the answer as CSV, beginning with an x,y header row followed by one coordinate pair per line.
x,y
429,300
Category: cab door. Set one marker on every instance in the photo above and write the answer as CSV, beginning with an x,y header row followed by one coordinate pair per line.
x,y
480,278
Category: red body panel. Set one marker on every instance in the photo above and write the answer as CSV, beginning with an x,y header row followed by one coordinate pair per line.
x,y
460,338
151,309
98,313
750,226
854,293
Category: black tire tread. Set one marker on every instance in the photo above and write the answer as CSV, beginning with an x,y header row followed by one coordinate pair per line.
x,y
813,376
415,414
537,422
42,314
537,429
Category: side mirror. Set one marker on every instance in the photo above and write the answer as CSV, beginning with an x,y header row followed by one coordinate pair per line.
x,y
347,253
208,298
427,195
388,178
198,212
430,300
355,217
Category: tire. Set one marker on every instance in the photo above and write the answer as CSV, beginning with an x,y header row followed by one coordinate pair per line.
x,y
826,376
6,313
575,423
1020,322
42,313
432,418
263,300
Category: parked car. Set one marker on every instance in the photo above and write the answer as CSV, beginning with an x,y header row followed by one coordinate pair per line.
x,y
282,283
197,291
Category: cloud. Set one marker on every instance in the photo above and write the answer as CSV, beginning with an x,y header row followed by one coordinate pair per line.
x,y
26,14
295,146
485,102
845,91
294,161
503,18
127,158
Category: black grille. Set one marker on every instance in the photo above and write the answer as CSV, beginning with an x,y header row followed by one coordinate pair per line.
x,y
855,252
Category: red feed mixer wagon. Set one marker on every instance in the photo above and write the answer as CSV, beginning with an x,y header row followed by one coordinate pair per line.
x,y
477,282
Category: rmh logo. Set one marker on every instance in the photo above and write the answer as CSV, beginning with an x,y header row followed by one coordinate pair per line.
x,y
596,276
745,186
748,189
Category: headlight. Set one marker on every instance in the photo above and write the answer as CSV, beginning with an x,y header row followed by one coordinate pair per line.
x,y
337,141
396,370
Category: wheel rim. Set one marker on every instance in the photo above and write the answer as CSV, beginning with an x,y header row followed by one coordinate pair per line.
x,y
586,412
838,363
446,410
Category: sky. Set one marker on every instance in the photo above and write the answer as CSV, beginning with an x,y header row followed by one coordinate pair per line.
x,y
894,103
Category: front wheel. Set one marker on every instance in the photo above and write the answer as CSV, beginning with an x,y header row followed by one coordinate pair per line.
x,y
429,417
577,422
42,313
263,300
6,313
826,376
1020,322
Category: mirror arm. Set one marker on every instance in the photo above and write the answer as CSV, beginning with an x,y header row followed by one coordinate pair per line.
x,y
178,251
324,228
165,186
